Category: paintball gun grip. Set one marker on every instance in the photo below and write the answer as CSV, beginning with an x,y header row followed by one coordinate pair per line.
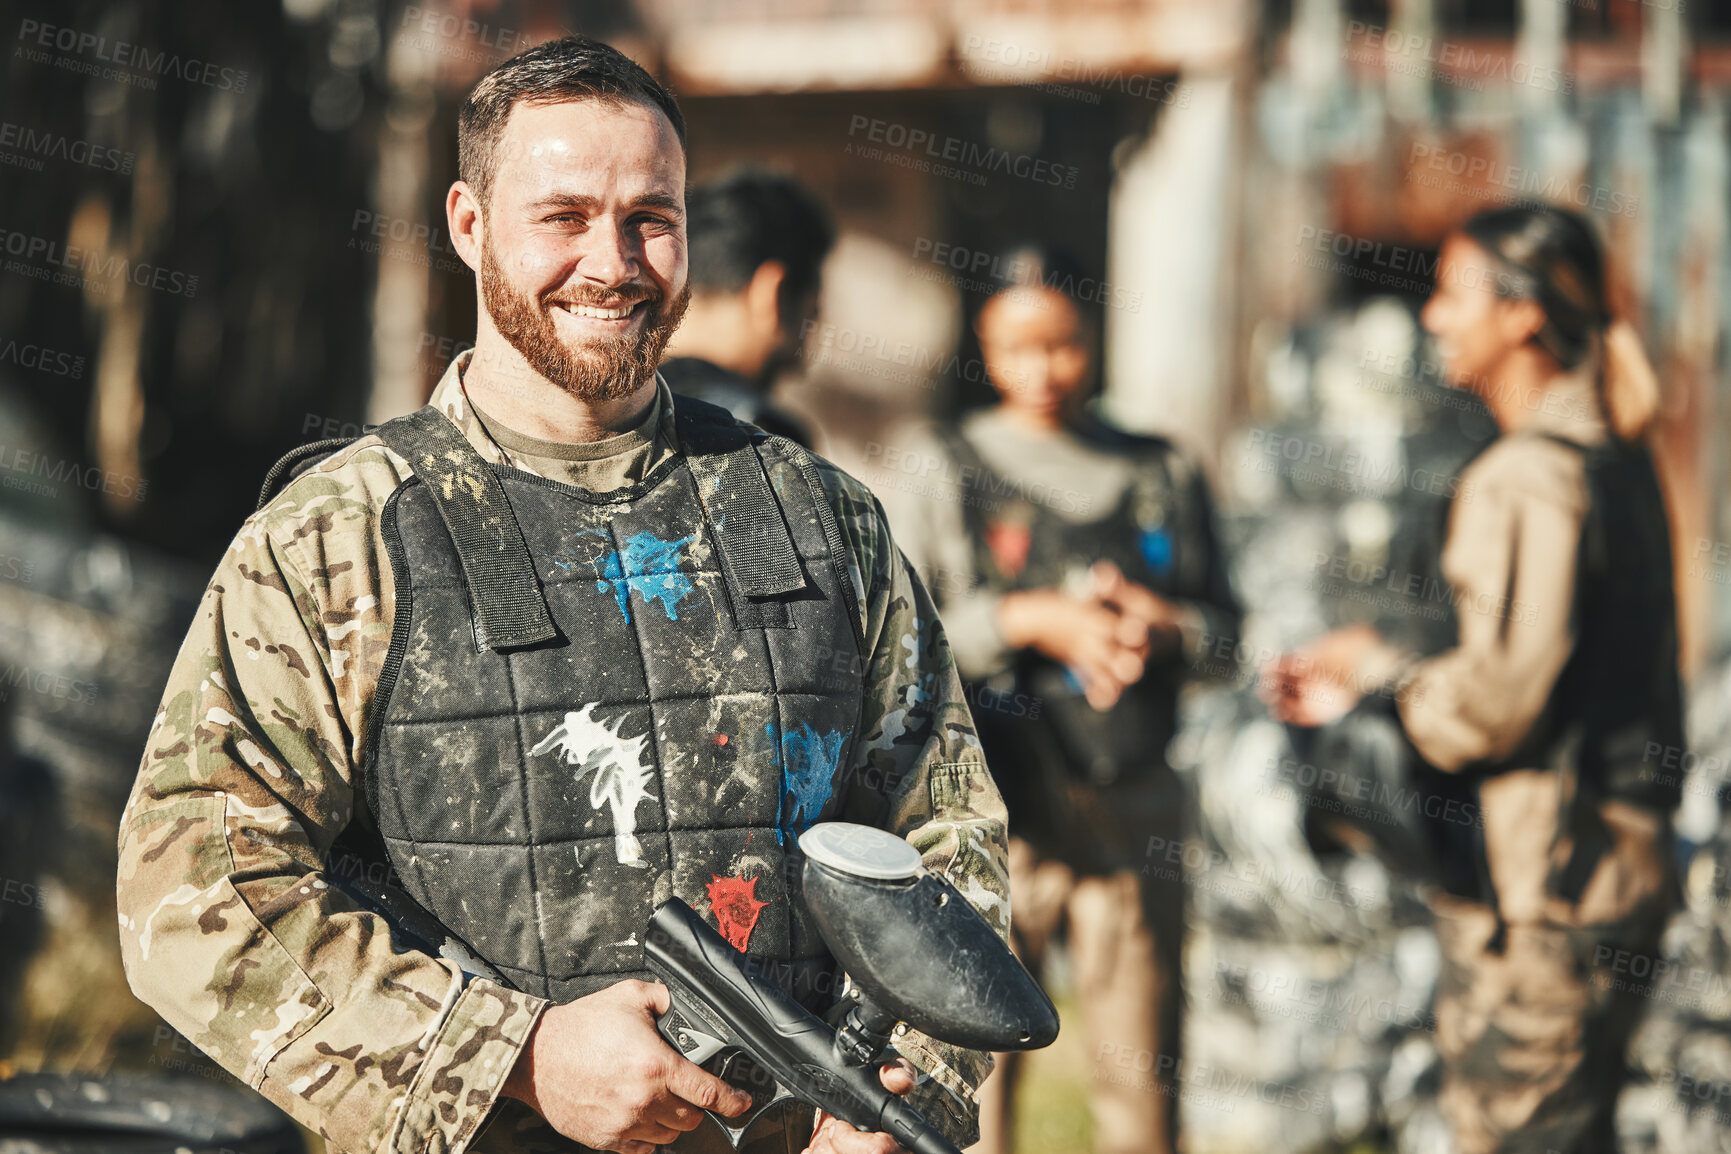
x,y
744,1029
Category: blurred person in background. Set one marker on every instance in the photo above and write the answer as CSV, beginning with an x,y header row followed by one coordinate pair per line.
x,y
1542,728
758,242
1080,580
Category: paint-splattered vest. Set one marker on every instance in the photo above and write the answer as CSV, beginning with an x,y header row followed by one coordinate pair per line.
x,y
595,701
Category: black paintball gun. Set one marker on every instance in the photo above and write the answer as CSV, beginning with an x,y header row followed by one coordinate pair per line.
x,y
915,952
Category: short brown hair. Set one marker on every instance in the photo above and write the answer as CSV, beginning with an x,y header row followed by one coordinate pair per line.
x,y
571,68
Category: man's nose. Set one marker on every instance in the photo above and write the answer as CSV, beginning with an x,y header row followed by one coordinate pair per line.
x,y
609,255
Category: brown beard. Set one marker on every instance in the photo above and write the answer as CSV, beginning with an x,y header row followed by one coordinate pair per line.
x,y
605,370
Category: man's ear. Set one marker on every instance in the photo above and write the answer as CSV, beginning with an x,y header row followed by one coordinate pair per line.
x,y
763,300
463,218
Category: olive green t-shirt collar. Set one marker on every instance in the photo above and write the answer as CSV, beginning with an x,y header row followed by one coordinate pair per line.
x,y
639,436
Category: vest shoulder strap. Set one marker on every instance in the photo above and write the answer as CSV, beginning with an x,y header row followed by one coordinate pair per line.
x,y
737,499
295,462
472,503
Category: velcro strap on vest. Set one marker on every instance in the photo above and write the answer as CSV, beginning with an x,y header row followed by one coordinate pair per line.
x,y
738,500
472,503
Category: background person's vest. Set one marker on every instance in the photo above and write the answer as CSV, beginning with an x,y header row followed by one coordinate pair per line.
x,y
1066,769
595,701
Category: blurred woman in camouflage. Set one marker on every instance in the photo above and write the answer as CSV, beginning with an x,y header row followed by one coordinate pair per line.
x,y
1548,720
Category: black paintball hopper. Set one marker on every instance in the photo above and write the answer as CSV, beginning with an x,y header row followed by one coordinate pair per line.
x,y
914,947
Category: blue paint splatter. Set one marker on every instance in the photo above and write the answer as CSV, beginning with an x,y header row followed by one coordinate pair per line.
x,y
1156,548
809,761
649,567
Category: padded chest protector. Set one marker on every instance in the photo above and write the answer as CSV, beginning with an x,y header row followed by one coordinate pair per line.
x,y
595,701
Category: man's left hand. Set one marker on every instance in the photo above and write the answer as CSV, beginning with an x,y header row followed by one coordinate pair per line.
x,y
833,1136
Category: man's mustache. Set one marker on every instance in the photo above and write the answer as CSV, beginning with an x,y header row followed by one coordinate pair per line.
x,y
605,299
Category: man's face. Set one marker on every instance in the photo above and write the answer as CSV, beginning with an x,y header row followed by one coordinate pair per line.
x,y
583,260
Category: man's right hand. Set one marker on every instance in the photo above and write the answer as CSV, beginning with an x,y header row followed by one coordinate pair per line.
x,y
600,1074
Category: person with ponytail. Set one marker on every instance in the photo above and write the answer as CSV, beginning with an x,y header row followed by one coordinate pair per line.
x,y
1531,755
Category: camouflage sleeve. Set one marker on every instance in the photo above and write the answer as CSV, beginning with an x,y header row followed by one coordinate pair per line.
x,y
918,770
228,925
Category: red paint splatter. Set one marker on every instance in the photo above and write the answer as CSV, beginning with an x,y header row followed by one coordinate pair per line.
x,y
734,902
1009,545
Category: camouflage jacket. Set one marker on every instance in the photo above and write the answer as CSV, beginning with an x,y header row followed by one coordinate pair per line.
x,y
229,927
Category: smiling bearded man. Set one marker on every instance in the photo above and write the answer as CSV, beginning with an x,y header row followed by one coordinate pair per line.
x,y
469,696
609,369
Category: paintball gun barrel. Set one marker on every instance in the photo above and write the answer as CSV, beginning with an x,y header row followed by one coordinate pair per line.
x,y
915,952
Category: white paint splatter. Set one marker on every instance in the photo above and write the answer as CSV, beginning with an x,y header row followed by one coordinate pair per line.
x,y
621,777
